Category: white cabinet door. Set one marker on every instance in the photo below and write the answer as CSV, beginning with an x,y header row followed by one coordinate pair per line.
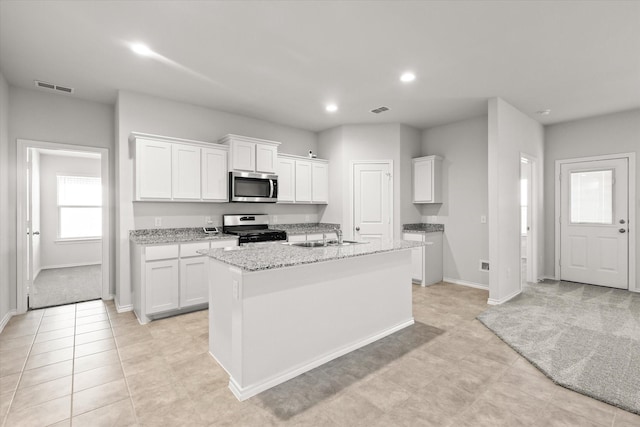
x,y
303,181
185,172
417,257
193,281
162,293
320,183
296,238
214,175
243,156
153,169
266,158
426,180
433,258
286,172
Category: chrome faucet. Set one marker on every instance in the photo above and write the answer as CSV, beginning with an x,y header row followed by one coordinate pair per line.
x,y
339,233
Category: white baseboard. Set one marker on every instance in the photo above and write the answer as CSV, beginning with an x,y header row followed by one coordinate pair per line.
x,y
122,308
465,283
492,301
550,278
244,393
76,264
6,319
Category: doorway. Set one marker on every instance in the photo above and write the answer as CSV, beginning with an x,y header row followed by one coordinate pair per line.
x,y
594,221
63,224
526,221
372,200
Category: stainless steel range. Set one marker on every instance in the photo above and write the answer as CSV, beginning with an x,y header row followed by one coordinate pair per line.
x,y
251,228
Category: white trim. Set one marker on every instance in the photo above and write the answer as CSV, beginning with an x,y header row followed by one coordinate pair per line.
x,y
75,264
349,219
247,392
633,201
550,278
6,319
22,146
73,240
535,220
465,283
122,308
492,301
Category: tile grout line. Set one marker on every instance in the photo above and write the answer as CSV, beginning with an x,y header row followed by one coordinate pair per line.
x,y
126,382
13,395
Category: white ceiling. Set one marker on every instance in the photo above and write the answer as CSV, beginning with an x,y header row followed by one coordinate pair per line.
x,y
283,61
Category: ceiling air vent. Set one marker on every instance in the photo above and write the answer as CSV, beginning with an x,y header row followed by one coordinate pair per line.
x,y
380,110
51,86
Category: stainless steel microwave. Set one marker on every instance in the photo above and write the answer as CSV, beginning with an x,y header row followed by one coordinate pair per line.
x,y
253,187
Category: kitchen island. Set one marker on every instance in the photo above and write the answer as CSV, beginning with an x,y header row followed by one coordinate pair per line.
x,y
278,310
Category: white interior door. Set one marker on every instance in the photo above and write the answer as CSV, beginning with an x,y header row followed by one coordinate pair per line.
x,y
28,274
372,201
594,238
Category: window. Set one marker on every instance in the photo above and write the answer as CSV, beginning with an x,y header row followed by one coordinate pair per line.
x,y
592,197
79,207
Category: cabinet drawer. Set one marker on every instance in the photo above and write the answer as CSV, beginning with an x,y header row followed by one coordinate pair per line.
x,y
224,243
413,237
189,249
161,252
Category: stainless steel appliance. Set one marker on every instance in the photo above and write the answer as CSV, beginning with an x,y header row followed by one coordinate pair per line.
x,y
251,228
253,187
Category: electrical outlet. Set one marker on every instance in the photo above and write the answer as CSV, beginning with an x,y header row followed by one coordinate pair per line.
x,y
158,221
208,220
275,219
483,219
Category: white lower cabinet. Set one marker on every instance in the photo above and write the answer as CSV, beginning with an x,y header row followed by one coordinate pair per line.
x,y
171,279
426,261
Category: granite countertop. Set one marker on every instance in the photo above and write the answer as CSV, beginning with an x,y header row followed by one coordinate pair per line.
x,y
174,235
278,255
422,228
305,228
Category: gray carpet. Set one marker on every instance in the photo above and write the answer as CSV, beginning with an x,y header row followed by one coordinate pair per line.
x,y
57,286
585,338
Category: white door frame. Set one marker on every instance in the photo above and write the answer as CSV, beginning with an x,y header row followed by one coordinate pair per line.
x,y
534,220
21,167
631,158
352,164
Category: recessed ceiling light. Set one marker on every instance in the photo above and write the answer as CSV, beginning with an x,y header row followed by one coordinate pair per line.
x,y
141,49
407,77
332,108
543,112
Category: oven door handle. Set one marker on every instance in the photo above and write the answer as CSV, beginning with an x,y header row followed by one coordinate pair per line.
x,y
271,188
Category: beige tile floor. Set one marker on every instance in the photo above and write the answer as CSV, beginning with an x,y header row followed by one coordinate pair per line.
x,y
87,365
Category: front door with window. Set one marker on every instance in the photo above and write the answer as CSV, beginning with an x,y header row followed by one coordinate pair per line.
x,y
594,238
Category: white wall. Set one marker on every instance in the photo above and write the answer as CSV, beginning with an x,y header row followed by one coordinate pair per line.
x,y
410,147
7,249
511,134
147,114
63,254
41,116
608,134
463,146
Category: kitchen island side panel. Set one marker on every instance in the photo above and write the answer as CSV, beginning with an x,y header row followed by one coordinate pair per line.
x,y
287,321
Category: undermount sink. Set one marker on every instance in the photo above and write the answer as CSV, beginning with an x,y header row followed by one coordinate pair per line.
x,y
319,244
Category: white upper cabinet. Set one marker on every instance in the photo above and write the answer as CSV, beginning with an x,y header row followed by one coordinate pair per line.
x,y
185,172
214,175
319,182
172,169
153,160
251,154
303,181
286,172
427,185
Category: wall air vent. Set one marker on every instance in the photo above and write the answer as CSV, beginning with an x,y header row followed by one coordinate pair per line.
x,y
53,87
380,110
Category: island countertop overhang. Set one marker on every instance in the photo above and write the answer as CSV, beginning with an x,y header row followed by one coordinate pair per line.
x,y
258,257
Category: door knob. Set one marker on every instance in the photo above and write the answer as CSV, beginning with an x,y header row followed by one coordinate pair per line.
x,y
357,228
622,221
36,233
622,230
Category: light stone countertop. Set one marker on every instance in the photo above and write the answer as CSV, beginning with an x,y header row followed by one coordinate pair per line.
x,y
422,228
278,255
154,236
305,228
